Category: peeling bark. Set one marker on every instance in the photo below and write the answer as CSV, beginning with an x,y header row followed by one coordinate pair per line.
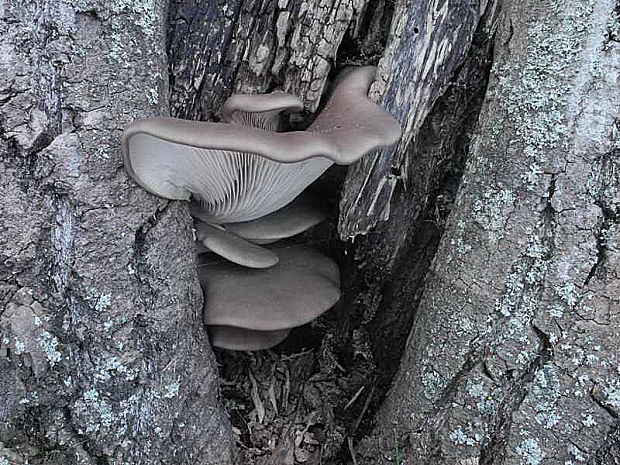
x,y
253,47
429,42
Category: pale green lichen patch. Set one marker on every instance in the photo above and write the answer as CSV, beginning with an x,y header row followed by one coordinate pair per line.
x,y
100,301
486,401
611,389
519,300
49,345
433,383
96,411
464,438
492,208
576,453
171,390
546,393
112,366
535,99
530,451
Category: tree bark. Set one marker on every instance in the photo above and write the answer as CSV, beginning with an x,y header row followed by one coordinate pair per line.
x,y
513,353
103,358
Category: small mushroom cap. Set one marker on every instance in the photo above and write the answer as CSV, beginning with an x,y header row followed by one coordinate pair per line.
x,y
229,338
303,285
233,247
298,216
240,108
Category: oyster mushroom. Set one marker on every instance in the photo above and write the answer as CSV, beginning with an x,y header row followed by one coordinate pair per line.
x,y
239,173
233,247
230,338
298,216
259,111
302,286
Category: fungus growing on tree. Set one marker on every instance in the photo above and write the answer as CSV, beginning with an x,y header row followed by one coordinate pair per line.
x,y
238,172
245,179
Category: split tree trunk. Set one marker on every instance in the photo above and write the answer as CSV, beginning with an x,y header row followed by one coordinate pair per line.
x,y
104,358
513,355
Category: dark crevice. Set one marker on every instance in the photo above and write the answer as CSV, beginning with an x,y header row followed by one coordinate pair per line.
x,y
494,450
365,45
609,220
146,291
611,215
440,155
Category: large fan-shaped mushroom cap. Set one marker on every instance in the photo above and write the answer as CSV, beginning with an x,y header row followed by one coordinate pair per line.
x,y
303,285
240,173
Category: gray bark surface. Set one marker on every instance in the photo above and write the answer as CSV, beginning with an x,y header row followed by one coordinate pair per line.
x,y
253,47
513,354
429,41
103,358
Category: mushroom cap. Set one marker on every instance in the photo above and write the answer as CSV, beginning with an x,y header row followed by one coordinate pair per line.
x,y
233,247
240,173
303,285
230,338
230,186
298,216
239,109
353,121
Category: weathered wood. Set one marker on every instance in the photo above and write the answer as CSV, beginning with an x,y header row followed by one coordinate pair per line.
x,y
103,358
429,40
253,46
513,354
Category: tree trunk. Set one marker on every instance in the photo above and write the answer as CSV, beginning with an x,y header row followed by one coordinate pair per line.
x,y
499,352
513,353
102,355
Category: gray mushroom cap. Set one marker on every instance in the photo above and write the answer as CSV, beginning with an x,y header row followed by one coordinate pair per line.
x,y
233,247
230,338
240,173
259,111
303,285
298,216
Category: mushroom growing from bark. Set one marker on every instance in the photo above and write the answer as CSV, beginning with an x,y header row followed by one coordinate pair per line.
x,y
239,173
246,178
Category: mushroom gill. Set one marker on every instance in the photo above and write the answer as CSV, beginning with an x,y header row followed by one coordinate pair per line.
x,y
239,173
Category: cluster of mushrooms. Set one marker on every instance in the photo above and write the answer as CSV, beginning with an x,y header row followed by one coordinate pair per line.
x,y
245,180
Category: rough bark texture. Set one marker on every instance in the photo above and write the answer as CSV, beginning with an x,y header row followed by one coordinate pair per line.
x,y
102,355
429,41
512,358
513,354
253,46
